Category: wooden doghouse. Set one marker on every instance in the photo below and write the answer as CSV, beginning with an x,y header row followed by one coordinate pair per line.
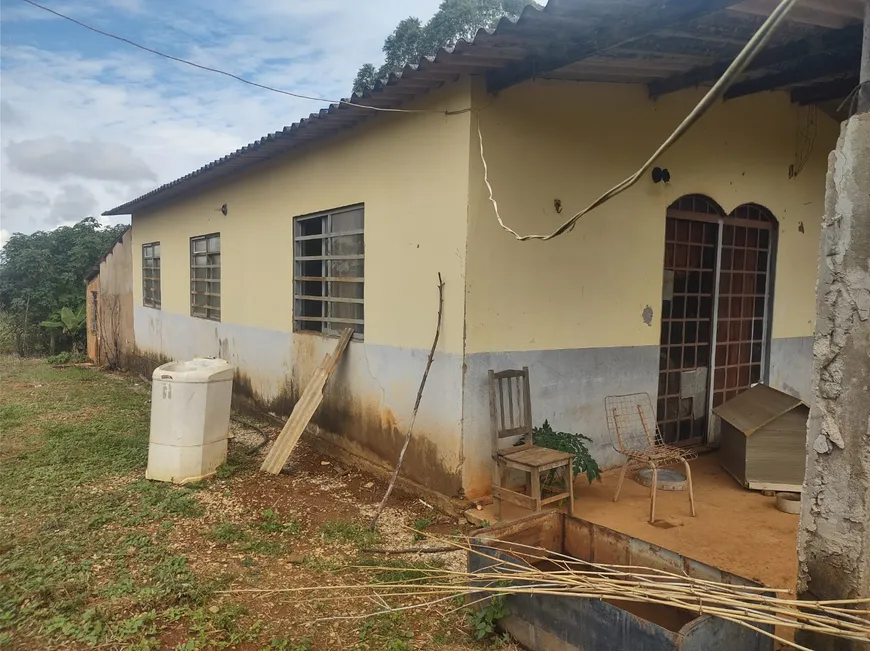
x,y
763,439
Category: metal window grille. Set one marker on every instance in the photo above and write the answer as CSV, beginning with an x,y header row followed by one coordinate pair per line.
x,y
205,276
151,275
329,261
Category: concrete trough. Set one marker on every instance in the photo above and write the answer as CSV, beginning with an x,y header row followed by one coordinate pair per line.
x,y
560,623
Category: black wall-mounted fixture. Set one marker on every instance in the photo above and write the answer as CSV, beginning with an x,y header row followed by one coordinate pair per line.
x,y
223,209
661,175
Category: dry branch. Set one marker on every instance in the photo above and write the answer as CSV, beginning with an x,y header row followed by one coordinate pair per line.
x,y
414,550
416,406
742,605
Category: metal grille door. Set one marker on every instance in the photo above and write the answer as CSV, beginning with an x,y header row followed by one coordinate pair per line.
x,y
743,303
687,320
716,288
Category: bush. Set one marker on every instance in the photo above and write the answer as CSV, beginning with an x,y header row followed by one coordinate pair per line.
x,y
67,357
18,338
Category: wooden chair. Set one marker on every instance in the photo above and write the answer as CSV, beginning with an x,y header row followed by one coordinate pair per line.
x,y
511,415
632,424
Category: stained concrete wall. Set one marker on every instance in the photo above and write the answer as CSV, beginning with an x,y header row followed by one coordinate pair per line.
x,y
409,171
92,311
368,400
574,309
834,534
117,336
110,334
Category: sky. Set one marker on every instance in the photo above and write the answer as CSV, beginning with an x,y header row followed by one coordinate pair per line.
x,y
88,123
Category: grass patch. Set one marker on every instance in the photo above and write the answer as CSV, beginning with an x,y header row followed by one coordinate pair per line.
x,y
322,564
349,532
401,571
227,533
66,357
271,522
385,632
267,536
420,525
81,557
239,460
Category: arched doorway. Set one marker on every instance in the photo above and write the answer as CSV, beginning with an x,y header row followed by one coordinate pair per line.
x,y
715,311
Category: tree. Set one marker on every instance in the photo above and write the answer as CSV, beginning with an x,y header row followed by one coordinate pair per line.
x,y
44,271
70,323
454,20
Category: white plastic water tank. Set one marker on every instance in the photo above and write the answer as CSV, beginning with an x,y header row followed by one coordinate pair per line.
x,y
190,419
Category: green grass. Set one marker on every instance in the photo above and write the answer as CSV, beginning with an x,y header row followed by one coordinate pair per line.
x,y
349,532
271,522
84,554
420,524
93,554
385,633
268,536
401,571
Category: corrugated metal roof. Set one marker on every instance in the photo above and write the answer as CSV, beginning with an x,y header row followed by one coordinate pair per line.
x,y
668,44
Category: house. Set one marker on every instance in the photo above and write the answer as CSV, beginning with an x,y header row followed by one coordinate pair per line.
x,y
109,305
690,290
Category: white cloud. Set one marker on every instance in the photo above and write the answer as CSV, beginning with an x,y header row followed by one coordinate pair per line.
x,y
72,204
4,237
9,115
115,122
12,200
56,158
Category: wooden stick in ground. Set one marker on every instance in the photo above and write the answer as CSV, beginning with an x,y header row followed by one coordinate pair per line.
x,y
416,406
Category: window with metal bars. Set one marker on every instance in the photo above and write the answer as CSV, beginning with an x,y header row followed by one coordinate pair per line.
x,y
205,276
328,267
151,275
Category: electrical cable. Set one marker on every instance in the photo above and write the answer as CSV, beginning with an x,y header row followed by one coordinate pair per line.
x,y
755,44
236,77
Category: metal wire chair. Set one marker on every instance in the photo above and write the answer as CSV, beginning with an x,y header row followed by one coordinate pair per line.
x,y
632,425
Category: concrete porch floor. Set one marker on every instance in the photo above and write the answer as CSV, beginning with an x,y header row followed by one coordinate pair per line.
x,y
737,530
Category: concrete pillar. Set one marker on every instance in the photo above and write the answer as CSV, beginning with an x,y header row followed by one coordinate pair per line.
x,y
834,535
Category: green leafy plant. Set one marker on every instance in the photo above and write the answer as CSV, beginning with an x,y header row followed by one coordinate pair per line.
x,y
546,437
70,323
483,620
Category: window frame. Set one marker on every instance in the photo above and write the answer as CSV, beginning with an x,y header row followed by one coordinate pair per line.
x,y
327,277
151,272
212,312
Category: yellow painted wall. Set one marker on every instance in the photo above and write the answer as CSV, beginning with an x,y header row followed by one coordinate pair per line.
x,y
547,140
411,173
